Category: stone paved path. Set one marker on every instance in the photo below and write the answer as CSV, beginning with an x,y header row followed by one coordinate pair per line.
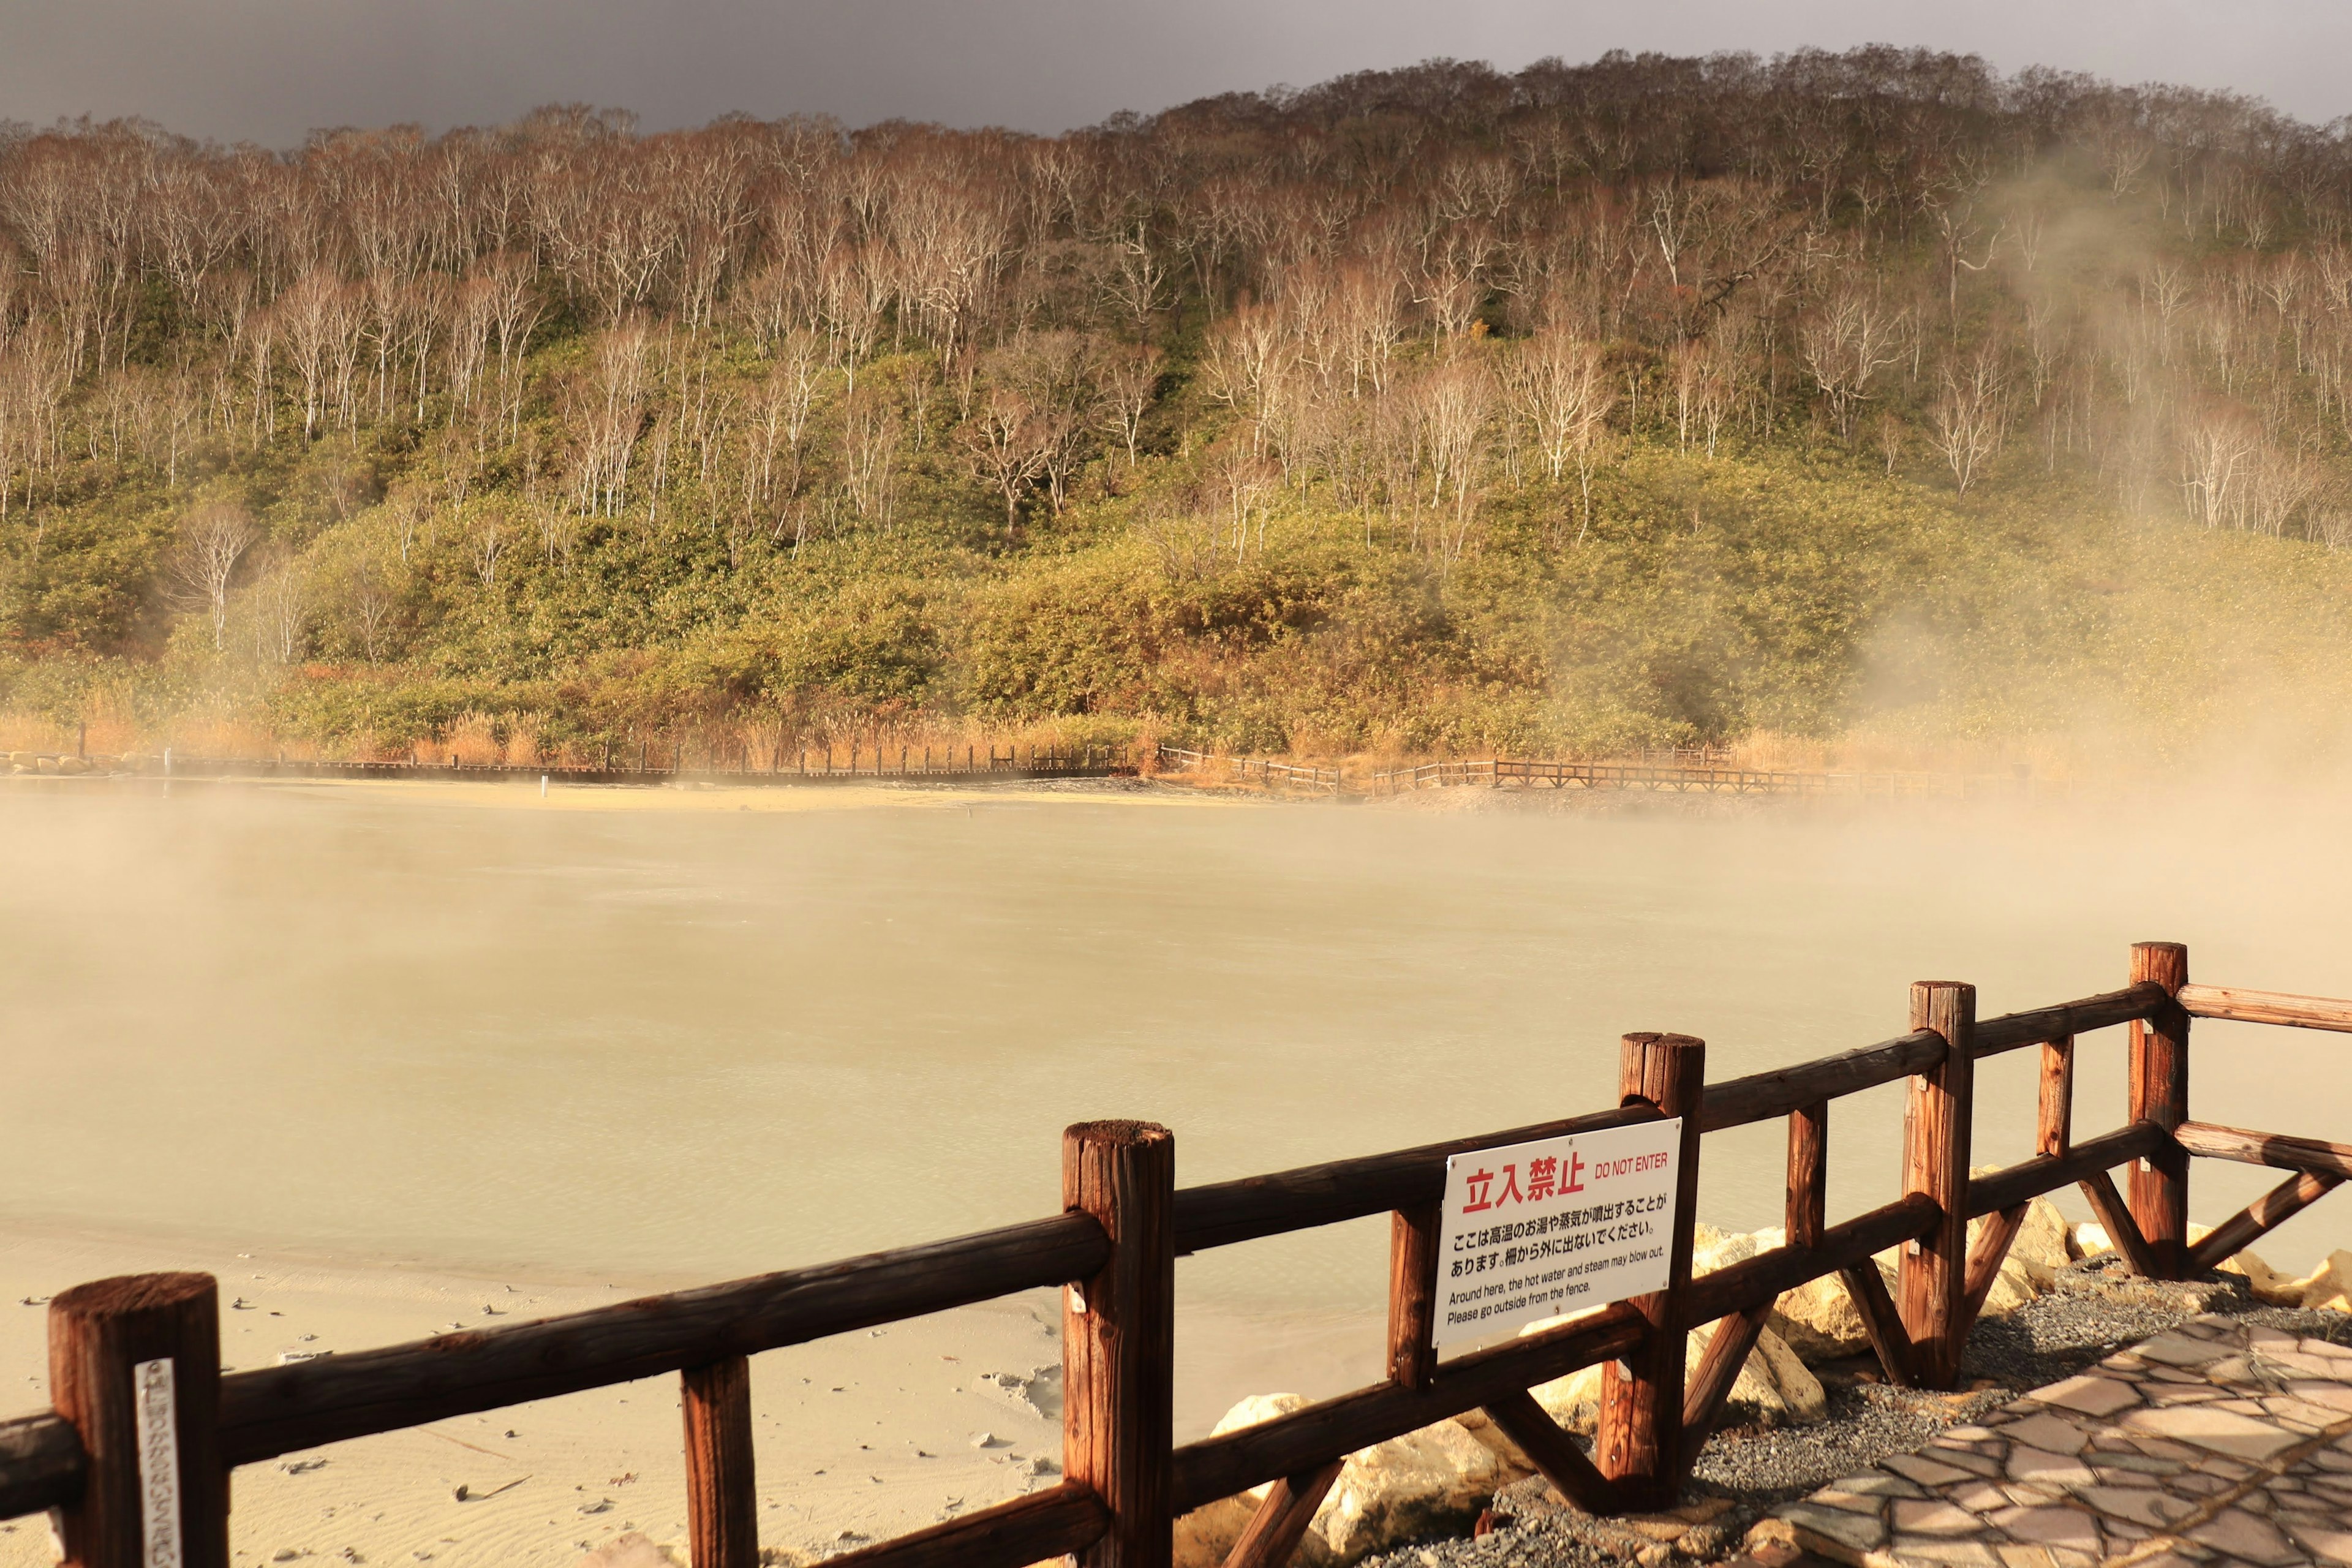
x,y
2218,1444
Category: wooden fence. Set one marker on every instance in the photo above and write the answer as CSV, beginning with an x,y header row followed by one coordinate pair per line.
x,y
814,764
1699,775
1679,772
1252,770
136,1456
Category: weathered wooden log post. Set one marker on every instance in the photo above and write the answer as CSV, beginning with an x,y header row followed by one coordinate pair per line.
x,y
2159,1093
721,1493
1412,1296
1118,1335
134,1364
1805,1214
1638,1446
2053,1112
1932,1287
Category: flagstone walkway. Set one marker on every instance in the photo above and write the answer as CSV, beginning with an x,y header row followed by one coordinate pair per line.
x,y
2216,1444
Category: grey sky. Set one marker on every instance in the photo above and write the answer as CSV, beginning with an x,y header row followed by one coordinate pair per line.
x,y
270,69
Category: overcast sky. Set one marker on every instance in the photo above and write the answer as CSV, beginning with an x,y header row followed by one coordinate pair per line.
x,y
269,70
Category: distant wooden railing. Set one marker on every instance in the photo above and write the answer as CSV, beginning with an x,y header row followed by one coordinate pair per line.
x,y
1247,770
124,1350
808,764
1698,775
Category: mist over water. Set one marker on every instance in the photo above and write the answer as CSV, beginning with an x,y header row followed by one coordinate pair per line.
x,y
699,1044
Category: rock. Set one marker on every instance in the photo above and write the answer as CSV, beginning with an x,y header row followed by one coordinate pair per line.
x,y
2088,1239
1800,1391
1818,1320
2013,1288
2039,1249
2267,1285
2330,1290
2041,1244
1419,1485
1720,1251
1206,1535
1773,1389
635,1550
1424,1483
1476,1423
1573,1401
1754,1397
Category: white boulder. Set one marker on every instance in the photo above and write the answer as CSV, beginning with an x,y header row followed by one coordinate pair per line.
x,y
1420,1484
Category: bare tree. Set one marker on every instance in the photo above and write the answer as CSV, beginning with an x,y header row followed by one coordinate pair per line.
x,y
1129,382
282,627
1846,342
1971,415
1557,385
371,606
213,539
1451,400
1004,444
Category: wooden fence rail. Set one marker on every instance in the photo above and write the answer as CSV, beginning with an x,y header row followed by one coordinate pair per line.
x,y
136,1456
808,765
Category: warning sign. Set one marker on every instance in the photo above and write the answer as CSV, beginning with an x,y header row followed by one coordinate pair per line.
x,y
1536,1230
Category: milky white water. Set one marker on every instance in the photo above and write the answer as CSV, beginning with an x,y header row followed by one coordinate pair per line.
x,y
486,1033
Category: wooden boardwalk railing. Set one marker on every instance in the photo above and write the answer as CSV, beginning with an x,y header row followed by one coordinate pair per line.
x,y
812,765
1688,776
137,1453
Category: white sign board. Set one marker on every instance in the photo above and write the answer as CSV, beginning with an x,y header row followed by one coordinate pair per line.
x,y
158,1462
1538,1230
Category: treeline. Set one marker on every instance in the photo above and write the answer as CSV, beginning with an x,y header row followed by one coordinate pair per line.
x,y
515,409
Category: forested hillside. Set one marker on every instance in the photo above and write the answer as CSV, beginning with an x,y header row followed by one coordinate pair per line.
x,y
1647,401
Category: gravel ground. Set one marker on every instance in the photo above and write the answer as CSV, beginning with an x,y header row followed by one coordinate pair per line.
x,y
1743,1475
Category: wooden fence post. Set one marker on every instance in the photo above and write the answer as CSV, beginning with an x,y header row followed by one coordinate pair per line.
x,y
1412,1295
721,1497
1638,1446
2159,1093
1932,1287
1118,1338
1805,1214
134,1364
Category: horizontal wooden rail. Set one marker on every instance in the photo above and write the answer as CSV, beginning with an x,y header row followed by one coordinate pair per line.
x,y
1222,1212
1754,1281
2277,1150
1761,1097
41,1464
2267,1007
1289,1444
2012,1030
2028,1179
276,1410
1061,1518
